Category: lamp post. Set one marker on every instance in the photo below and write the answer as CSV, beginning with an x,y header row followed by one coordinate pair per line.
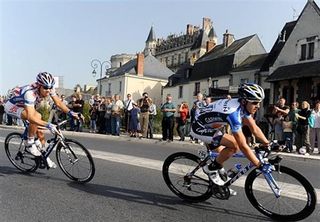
x,y
96,64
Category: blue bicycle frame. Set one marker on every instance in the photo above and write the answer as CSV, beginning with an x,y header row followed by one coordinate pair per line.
x,y
267,175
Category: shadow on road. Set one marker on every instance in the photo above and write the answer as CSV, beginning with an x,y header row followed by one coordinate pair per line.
x,y
154,199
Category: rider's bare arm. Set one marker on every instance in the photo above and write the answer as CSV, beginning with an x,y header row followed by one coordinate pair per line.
x,y
241,140
32,116
255,130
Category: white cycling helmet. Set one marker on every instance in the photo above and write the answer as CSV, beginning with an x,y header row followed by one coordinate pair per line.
x,y
251,92
45,79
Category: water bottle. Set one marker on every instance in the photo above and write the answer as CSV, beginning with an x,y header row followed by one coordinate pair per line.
x,y
234,171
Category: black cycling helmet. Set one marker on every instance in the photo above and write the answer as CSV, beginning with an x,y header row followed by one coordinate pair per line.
x,y
45,79
251,92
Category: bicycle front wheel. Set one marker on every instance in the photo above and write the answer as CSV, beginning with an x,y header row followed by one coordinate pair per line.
x,y
297,198
15,151
178,174
75,161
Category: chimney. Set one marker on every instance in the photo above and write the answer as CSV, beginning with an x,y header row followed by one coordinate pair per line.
x,y
228,39
189,29
206,24
210,45
140,64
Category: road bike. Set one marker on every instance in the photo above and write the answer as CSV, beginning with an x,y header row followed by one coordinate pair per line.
x,y
73,158
276,191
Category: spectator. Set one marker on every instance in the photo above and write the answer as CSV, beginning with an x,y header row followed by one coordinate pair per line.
x,y
107,115
293,118
281,107
168,109
315,128
208,100
91,101
78,107
303,131
144,105
1,110
277,125
152,116
198,104
71,107
182,120
93,119
134,120
116,111
128,105
287,133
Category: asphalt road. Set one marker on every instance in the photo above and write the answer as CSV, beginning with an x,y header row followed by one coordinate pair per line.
x,y
128,186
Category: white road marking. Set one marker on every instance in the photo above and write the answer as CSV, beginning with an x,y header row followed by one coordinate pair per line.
x,y
260,185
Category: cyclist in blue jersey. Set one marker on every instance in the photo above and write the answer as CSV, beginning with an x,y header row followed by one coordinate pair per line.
x,y
209,123
21,104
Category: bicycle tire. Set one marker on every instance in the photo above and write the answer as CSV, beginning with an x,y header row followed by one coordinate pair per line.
x,y
23,161
299,196
198,188
71,152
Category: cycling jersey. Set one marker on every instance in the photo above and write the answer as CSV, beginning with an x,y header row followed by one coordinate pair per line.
x,y
211,119
27,95
23,96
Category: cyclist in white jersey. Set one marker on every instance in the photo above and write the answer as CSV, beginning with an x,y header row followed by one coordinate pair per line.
x,y
21,104
209,123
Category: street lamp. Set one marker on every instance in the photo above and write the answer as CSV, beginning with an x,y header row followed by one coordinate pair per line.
x,y
95,64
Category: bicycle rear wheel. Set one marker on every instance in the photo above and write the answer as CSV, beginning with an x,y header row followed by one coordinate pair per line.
x,y
75,161
176,173
15,151
297,198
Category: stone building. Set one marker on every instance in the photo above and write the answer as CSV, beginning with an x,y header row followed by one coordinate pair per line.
x,y
176,50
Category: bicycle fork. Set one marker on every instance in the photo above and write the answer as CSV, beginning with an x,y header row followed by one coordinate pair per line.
x,y
273,184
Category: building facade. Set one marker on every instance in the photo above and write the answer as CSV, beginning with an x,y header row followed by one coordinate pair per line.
x,y
176,50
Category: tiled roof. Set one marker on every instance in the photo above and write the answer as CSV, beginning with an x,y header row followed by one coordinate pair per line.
x,y
219,61
152,68
252,62
278,45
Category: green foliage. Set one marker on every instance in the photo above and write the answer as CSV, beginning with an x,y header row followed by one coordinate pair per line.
x,y
157,122
44,110
86,113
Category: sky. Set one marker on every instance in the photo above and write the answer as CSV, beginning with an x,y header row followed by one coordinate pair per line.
x,y
63,36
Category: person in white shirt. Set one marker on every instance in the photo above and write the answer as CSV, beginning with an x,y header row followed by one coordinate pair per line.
x,y
128,105
315,129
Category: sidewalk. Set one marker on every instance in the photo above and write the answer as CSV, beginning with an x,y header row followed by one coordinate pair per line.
x,y
157,138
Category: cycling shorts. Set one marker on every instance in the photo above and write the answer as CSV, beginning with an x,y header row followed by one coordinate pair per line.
x,y
210,136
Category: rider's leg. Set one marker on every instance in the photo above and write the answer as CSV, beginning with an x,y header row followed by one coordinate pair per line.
x,y
32,129
231,148
41,137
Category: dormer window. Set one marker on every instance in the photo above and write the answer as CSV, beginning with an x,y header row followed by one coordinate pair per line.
x,y
307,47
170,82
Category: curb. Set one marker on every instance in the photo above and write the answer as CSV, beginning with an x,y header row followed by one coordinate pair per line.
x,y
156,139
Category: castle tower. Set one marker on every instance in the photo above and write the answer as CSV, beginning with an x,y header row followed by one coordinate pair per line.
x,y
151,43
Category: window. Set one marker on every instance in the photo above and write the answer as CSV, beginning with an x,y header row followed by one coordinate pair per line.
x,y
307,48
172,60
196,88
303,52
180,92
310,50
120,86
179,58
215,84
186,57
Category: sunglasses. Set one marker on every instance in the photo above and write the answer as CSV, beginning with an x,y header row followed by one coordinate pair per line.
x,y
46,88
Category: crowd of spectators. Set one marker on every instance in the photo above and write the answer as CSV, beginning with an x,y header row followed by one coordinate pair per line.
x,y
290,125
